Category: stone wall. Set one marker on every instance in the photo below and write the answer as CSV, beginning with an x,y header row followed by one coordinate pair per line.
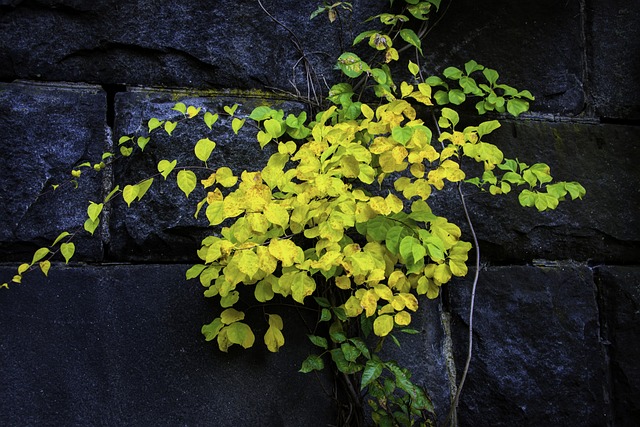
x,y
114,337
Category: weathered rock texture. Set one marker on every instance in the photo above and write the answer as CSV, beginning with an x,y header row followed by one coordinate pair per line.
x,y
115,337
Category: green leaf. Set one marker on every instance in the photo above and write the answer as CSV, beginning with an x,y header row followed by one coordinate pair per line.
x,y
126,151
273,127
124,139
143,187
452,73
372,370
350,351
230,110
211,330
319,341
204,148
169,126
414,69
40,253
195,271
111,194
517,106
45,266
210,119
165,167
402,134
153,124
490,75
91,225
60,237
143,141
456,96
94,210
485,128
236,124
129,193
394,237
472,66
412,38
260,113
351,65
312,363
180,107
67,250
186,181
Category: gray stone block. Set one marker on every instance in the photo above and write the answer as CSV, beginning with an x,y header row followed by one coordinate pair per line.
x,y
194,44
620,290
48,129
121,345
163,226
602,227
537,357
533,45
614,44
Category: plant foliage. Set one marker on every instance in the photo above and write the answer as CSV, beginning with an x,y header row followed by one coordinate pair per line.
x,y
339,217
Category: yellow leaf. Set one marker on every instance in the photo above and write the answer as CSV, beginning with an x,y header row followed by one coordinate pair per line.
x,y
352,307
286,251
343,282
410,300
405,89
442,274
258,222
394,203
383,291
45,266
302,286
206,183
383,325
263,291
266,262
225,177
402,318
274,339
248,262
369,302
215,212
236,333
277,215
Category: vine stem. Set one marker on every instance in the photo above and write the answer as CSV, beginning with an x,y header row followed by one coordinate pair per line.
x,y
454,404
451,417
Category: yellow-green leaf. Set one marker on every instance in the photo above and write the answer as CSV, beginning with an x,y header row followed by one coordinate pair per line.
x,y
23,267
94,210
169,126
236,124
154,123
67,250
302,286
383,325
193,111
231,315
186,181
225,177
60,237
286,251
40,253
237,333
203,149
210,119
276,214
45,266
215,212
129,193
165,167
273,339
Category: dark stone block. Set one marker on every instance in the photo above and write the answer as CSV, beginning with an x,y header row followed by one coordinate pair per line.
x,y
615,58
601,227
620,288
163,226
46,131
121,345
533,45
537,356
198,43
425,354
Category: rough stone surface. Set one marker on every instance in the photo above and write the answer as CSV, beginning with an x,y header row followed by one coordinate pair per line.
x,y
601,227
545,36
537,355
425,355
170,44
620,290
614,53
164,226
121,345
48,129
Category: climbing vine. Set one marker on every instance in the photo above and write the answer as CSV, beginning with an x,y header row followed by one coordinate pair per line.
x,y
339,218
